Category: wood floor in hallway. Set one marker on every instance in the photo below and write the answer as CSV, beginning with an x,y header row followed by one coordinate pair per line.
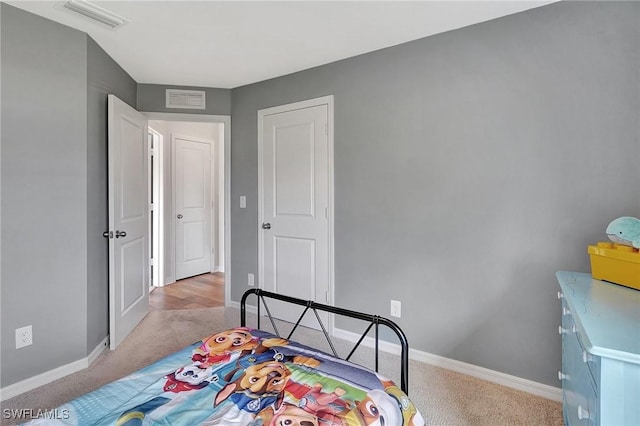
x,y
201,291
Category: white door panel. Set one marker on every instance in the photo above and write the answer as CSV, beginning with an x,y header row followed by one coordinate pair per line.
x,y
294,252
132,280
192,175
194,247
294,171
128,220
294,261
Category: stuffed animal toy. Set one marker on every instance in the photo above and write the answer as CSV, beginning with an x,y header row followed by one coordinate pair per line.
x,y
625,231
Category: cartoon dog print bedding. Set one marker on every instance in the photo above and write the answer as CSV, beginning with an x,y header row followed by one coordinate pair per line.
x,y
247,377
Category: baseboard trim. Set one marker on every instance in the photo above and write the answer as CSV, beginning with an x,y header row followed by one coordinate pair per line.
x,y
51,375
514,382
252,309
102,346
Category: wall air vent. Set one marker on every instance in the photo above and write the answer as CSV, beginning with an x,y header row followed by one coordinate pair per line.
x,y
94,12
186,99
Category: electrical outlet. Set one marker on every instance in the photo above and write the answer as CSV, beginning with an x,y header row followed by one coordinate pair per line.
x,y
396,309
251,280
24,337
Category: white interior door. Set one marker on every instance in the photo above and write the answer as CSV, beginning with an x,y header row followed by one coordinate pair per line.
x,y
128,220
294,243
192,192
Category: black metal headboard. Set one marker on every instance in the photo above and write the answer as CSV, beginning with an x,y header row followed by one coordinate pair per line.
x,y
373,320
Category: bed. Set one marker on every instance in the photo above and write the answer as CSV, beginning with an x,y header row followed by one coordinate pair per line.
x,y
247,376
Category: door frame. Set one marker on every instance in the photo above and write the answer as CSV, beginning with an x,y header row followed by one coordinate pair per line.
x,y
225,120
157,171
212,190
324,100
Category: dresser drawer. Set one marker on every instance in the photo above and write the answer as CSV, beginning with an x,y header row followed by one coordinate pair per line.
x,y
579,384
591,361
600,386
571,333
580,408
578,387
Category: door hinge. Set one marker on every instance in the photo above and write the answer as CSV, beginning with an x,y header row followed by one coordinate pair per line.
x,y
326,296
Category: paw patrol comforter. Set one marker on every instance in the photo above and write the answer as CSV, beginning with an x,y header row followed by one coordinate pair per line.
x,y
246,377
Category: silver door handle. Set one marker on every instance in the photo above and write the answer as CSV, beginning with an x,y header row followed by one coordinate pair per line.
x,y
266,226
120,234
107,234
179,216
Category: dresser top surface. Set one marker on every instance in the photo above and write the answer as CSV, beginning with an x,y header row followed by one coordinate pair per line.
x,y
607,315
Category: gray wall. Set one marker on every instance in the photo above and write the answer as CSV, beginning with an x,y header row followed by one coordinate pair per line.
x,y
44,193
151,98
469,167
55,82
104,76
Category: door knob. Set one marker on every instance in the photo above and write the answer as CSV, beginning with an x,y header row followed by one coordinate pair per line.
x,y
120,234
266,225
180,216
107,234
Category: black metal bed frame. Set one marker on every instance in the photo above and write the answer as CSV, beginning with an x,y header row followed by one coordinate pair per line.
x,y
373,320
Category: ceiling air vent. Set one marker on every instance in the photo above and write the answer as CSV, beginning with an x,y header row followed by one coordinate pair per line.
x,y
94,12
186,99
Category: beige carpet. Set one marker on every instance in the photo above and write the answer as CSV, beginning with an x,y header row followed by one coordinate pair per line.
x,y
444,397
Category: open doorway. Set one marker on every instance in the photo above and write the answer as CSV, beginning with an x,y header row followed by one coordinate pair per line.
x,y
188,190
200,291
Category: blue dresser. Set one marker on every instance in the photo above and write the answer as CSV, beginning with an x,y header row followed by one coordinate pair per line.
x,y
600,351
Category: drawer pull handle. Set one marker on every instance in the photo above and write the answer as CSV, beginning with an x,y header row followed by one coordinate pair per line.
x,y
582,413
566,311
562,330
586,357
560,295
562,376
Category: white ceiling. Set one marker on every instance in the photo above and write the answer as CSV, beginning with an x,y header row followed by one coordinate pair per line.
x,y
228,44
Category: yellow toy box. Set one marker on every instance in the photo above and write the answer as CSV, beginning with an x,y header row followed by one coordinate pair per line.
x,y
616,263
